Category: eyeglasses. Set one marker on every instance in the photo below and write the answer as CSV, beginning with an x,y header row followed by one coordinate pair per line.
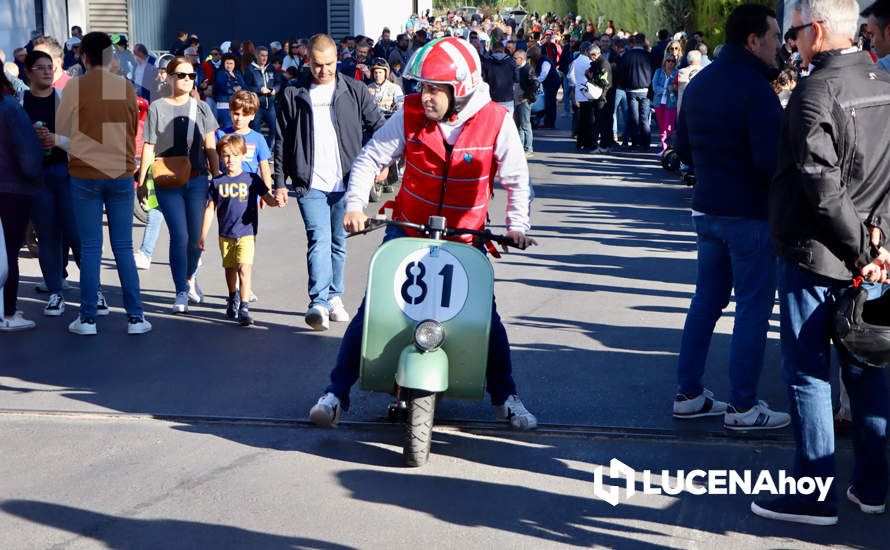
x,y
184,76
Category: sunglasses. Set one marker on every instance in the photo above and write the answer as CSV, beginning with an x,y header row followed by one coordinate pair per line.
x,y
186,76
792,32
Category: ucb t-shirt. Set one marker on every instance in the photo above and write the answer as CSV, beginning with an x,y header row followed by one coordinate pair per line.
x,y
257,149
236,199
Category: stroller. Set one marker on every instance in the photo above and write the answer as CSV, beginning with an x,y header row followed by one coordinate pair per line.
x,y
670,161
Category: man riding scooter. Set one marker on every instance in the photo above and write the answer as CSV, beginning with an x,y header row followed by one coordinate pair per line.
x,y
451,126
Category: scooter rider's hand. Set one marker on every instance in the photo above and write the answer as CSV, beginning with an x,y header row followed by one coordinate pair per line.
x,y
354,222
522,241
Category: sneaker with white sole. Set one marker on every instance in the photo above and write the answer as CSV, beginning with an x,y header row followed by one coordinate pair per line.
x,y
326,413
83,326
55,306
514,412
758,417
195,294
338,313
865,508
16,323
101,305
318,318
181,303
791,508
138,325
143,260
699,406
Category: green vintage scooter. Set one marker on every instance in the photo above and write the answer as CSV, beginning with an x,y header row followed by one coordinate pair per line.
x,y
427,319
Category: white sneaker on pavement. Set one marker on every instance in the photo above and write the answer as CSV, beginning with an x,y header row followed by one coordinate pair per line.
x,y
514,412
16,323
758,417
195,294
697,407
318,318
138,325
101,305
181,303
326,413
338,313
55,306
83,327
143,260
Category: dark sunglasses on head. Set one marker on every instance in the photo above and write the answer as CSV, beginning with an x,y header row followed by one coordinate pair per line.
x,y
189,76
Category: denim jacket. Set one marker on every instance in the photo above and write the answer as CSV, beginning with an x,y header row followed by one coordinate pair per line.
x,y
21,156
664,89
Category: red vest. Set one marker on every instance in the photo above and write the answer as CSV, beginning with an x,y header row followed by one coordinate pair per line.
x,y
456,185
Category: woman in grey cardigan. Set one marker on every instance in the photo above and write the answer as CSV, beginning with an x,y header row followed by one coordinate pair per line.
x,y
21,167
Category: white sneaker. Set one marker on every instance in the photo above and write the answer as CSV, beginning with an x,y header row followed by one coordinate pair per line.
x,y
326,413
338,313
181,304
16,323
697,407
516,414
195,294
55,306
143,260
318,318
138,325
758,417
84,327
101,305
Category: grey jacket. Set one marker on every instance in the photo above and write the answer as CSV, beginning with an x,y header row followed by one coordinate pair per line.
x,y
21,156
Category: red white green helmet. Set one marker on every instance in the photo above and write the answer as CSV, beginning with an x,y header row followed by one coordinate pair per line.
x,y
450,61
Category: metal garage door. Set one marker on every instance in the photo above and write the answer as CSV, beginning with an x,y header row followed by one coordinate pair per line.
x,y
108,16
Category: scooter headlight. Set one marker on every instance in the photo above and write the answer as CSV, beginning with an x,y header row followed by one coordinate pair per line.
x,y
429,335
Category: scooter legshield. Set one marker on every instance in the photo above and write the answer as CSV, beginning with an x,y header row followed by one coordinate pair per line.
x,y
427,371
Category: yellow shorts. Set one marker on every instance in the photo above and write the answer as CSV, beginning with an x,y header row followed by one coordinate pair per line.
x,y
237,251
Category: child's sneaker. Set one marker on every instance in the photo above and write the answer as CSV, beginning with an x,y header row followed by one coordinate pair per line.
x,y
233,302
244,318
55,306
101,305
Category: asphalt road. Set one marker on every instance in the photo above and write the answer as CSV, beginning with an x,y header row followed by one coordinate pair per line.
x,y
594,314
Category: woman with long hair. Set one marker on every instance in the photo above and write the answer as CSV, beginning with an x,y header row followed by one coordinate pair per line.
x,y
664,88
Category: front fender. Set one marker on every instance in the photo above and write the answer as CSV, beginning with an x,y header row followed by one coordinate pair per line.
x,y
423,371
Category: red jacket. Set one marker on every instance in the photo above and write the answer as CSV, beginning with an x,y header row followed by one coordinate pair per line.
x,y
455,183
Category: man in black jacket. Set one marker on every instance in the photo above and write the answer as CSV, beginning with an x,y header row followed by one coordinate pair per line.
x,y
320,131
829,212
499,72
636,77
261,79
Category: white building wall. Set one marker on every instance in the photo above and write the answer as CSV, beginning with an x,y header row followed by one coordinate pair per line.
x,y
370,16
55,19
17,20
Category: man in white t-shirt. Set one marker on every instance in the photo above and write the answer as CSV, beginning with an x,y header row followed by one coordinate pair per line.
x,y
320,130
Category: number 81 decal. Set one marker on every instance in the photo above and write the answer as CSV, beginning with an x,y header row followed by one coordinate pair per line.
x,y
428,286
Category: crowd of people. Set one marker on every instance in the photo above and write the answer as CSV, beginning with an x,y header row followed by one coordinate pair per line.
x,y
786,134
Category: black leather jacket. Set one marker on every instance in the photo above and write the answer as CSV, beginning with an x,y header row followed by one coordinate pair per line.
x,y
833,181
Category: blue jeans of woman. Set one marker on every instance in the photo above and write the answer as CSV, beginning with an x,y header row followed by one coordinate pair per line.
x,y
619,120
224,117
152,231
14,209
807,304
326,254
116,196
52,212
499,376
733,254
183,210
523,115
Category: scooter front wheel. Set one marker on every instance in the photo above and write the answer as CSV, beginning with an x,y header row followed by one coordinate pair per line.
x,y
419,427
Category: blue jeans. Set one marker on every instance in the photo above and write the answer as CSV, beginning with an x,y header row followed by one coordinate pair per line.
x,y
639,130
619,121
117,196
566,95
498,377
523,115
152,231
807,303
733,254
326,255
267,116
53,215
183,210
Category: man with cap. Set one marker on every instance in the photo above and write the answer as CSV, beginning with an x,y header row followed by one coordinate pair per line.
x,y
878,15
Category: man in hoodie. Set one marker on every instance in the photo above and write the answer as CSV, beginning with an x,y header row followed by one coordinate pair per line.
x,y
453,107
499,72
262,80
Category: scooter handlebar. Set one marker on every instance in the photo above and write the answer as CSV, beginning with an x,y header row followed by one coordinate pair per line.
x,y
483,235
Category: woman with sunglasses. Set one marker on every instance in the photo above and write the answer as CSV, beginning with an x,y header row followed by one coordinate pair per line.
x,y
664,88
166,135
228,80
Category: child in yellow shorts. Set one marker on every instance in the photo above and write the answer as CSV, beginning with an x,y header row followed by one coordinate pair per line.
x,y
234,197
